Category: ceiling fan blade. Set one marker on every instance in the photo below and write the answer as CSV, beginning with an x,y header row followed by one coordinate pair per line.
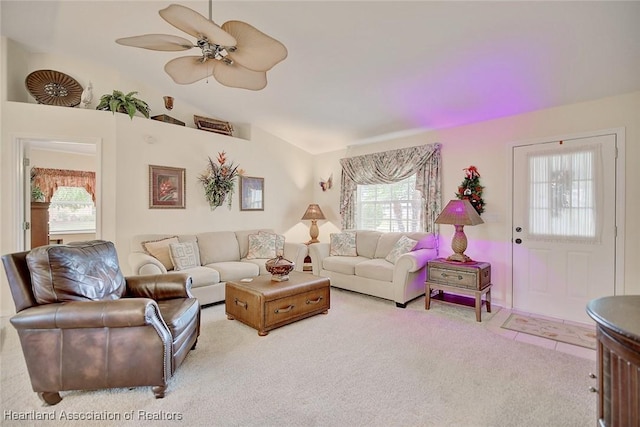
x,y
254,49
236,75
193,23
164,42
189,69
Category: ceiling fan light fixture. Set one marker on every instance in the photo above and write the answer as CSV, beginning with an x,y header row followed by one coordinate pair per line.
x,y
248,52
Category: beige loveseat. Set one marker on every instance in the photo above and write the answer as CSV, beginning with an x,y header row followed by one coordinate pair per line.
x,y
380,264
219,256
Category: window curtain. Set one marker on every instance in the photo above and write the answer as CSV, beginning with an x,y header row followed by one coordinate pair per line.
x,y
391,166
50,179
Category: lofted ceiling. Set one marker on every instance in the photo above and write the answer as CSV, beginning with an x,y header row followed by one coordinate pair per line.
x,y
363,71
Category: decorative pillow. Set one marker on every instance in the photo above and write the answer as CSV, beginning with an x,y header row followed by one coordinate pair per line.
x,y
343,244
427,242
279,242
159,249
184,255
78,271
402,246
262,245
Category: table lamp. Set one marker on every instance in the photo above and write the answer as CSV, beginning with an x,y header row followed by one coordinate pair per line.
x,y
459,213
314,213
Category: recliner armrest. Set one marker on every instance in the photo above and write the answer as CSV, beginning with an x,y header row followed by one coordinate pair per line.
x,y
159,286
120,313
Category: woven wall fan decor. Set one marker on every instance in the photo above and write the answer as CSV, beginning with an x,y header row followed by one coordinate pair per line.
x,y
53,88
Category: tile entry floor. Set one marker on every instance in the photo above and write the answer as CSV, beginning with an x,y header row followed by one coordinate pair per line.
x,y
494,324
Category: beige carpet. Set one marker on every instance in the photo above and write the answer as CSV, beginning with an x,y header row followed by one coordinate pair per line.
x,y
366,363
552,329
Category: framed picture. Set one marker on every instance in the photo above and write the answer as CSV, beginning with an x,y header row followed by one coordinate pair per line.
x,y
166,187
251,193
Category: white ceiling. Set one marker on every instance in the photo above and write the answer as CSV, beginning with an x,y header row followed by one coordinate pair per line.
x,y
361,71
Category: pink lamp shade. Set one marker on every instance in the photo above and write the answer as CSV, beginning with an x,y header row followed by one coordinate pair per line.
x,y
459,213
314,213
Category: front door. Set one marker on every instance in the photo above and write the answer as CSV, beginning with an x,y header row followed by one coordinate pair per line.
x,y
564,230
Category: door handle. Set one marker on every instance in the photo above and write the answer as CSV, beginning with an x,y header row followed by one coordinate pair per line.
x,y
518,241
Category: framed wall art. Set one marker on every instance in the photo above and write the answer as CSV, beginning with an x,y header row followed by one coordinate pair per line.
x,y
166,187
251,193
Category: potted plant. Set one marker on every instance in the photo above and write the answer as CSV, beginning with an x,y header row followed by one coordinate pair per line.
x,y
218,181
36,194
118,101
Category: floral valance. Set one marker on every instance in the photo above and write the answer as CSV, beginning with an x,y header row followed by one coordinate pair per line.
x,y
50,179
391,166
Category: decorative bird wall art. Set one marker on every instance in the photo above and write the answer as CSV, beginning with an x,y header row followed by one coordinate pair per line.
x,y
326,185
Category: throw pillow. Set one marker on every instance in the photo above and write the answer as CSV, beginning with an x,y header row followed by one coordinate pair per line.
x,y
279,242
427,242
184,255
343,244
159,249
262,246
402,246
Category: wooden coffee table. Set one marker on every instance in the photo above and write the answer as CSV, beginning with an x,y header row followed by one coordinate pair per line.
x,y
265,305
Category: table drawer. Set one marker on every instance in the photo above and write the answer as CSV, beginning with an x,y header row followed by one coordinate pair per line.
x,y
461,279
296,306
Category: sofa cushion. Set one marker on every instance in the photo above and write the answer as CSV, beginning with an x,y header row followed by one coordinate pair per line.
x,y
203,276
366,242
343,244
342,264
389,239
262,245
235,270
377,269
402,246
184,255
159,249
77,271
260,262
218,246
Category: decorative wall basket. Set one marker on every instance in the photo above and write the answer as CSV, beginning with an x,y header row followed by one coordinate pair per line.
x,y
54,88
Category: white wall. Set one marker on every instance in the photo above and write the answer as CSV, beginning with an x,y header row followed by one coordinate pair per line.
x,y
291,175
486,146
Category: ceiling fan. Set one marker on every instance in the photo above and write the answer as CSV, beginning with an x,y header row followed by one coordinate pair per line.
x,y
236,54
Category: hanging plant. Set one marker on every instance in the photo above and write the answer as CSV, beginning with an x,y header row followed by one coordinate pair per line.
x,y
219,181
471,190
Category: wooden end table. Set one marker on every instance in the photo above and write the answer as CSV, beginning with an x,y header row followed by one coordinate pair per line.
x,y
466,278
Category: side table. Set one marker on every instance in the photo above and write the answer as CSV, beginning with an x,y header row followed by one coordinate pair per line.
x,y
466,278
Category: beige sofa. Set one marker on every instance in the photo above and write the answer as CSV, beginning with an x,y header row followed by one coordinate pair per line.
x,y
221,255
368,272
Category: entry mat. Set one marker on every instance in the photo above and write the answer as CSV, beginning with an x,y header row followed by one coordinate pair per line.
x,y
552,329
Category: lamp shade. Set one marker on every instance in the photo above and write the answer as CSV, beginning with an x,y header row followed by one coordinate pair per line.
x,y
459,212
313,212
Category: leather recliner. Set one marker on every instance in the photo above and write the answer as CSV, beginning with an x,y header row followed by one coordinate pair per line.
x,y
84,326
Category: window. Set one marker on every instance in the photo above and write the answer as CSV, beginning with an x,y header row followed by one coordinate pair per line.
x,y
389,207
72,211
562,195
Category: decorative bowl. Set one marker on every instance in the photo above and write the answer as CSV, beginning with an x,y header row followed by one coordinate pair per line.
x,y
279,267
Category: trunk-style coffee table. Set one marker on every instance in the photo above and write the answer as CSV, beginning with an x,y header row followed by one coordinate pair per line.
x,y
265,305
